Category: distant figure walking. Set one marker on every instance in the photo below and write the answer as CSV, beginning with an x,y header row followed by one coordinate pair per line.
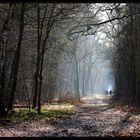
x,y
110,92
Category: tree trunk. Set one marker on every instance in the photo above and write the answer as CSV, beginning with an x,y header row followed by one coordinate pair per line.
x,y
15,64
36,75
3,57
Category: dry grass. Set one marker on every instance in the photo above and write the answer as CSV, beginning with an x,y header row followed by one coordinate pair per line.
x,y
59,107
68,97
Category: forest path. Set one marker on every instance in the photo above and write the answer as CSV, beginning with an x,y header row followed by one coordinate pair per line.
x,y
94,118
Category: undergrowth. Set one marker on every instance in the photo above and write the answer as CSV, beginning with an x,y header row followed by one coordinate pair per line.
x,y
24,114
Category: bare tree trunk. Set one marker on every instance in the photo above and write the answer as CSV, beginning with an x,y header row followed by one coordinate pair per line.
x,y
77,79
40,81
3,57
15,64
83,80
40,55
36,75
133,54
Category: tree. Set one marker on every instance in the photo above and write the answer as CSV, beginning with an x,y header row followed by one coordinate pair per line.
x,y
15,64
3,56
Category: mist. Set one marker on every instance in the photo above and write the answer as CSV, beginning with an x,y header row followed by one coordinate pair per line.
x,y
87,70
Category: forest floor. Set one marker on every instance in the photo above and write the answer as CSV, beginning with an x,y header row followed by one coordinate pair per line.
x,y
93,118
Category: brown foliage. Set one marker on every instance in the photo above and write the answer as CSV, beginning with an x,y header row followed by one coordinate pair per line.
x,y
69,97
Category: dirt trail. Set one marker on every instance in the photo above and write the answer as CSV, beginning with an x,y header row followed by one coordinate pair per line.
x,y
94,118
